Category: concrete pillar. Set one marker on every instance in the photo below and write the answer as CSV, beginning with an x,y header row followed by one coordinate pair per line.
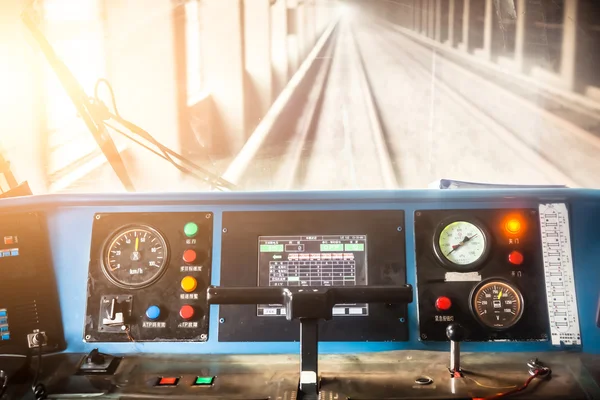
x,y
520,33
451,7
142,69
565,78
569,43
224,69
311,23
279,52
464,44
293,41
417,15
438,20
431,20
516,62
486,51
257,55
23,140
423,7
301,31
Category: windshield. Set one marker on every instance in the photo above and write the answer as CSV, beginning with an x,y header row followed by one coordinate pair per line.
x,y
199,95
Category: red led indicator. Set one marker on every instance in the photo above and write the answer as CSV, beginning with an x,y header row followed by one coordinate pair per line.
x,y
443,303
9,240
167,381
189,256
515,257
186,312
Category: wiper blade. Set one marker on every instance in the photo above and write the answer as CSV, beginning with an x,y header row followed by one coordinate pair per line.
x,y
85,108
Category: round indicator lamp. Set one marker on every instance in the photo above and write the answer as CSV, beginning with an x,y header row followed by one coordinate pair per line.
x,y
186,312
153,312
190,229
513,226
189,284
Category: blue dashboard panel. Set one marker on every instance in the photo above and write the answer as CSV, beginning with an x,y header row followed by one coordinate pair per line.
x,y
70,219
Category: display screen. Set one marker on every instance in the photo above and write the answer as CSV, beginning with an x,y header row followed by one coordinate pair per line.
x,y
331,260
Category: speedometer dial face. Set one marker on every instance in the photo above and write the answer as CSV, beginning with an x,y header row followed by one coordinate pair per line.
x,y
497,304
135,257
461,243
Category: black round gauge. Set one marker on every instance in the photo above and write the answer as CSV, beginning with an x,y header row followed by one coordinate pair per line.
x,y
497,304
461,244
135,257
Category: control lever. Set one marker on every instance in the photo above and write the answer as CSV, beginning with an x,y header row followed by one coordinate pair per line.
x,y
309,305
456,333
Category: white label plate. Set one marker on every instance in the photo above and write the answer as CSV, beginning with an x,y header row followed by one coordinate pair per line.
x,y
558,274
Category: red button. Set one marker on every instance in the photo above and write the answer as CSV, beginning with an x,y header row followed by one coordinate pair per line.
x,y
167,381
515,257
443,303
186,312
189,256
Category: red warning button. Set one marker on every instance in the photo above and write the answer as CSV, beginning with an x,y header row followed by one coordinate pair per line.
x,y
167,381
515,258
443,303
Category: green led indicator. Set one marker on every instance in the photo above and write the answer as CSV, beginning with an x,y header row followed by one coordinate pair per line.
x,y
190,229
332,247
204,380
355,247
271,248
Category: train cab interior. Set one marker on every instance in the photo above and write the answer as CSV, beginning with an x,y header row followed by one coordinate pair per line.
x,y
300,199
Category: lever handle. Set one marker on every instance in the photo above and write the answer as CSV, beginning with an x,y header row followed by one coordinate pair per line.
x,y
455,332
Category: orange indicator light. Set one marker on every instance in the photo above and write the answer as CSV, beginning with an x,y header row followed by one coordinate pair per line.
x,y
513,226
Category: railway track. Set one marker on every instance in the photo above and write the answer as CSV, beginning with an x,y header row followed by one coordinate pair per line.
x,y
385,111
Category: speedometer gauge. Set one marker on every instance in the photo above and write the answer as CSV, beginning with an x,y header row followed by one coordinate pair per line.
x,y
135,257
497,304
461,245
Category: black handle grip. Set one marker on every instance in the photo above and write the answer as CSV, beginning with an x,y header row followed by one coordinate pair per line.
x,y
244,295
275,295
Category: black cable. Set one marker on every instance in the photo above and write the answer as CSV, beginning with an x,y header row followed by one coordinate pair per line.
x,y
38,388
3,382
167,154
110,91
165,157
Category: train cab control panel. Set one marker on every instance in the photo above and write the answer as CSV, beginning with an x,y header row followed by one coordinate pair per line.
x,y
147,277
343,295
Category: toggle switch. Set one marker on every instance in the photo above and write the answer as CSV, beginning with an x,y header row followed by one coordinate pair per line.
x,y
167,381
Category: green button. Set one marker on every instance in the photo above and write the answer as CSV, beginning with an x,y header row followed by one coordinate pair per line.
x,y
204,380
190,229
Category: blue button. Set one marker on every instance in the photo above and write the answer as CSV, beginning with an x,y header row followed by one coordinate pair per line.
x,y
153,312
6,336
3,321
3,328
2,313
14,252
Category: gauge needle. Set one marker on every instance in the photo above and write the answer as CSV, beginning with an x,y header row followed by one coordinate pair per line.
x,y
137,243
457,246
500,294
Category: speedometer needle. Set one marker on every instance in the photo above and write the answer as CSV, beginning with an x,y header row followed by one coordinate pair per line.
x,y
137,243
457,246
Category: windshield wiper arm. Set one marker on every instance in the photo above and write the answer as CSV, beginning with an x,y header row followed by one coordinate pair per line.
x,y
85,108
192,169
95,113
